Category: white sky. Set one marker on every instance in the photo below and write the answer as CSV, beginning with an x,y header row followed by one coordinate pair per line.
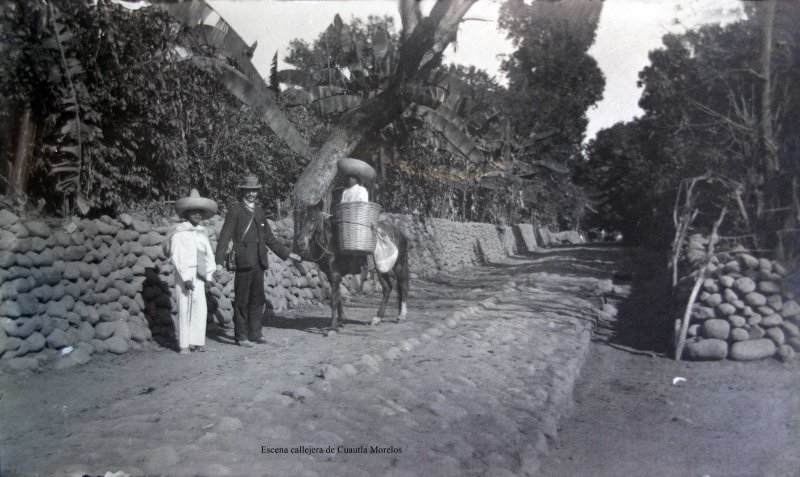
x,y
628,30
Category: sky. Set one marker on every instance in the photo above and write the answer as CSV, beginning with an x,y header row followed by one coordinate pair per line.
x,y
627,31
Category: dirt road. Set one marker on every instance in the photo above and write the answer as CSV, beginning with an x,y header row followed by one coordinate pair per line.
x,y
472,383
725,418
476,382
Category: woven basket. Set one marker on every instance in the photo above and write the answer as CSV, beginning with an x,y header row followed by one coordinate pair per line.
x,y
356,227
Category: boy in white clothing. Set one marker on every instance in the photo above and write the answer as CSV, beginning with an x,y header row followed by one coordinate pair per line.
x,y
191,254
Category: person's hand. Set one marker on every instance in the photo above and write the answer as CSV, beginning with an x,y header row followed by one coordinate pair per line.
x,y
188,284
295,258
218,271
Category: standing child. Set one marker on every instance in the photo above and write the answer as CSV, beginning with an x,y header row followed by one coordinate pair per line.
x,y
191,254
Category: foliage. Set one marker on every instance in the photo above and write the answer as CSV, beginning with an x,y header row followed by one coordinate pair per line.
x,y
704,99
153,123
552,83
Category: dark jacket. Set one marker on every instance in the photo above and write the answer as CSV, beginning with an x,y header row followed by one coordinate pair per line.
x,y
253,249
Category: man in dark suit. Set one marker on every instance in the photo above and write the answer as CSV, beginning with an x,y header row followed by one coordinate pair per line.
x,y
246,227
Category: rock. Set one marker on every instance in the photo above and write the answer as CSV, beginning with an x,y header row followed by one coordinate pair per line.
x,y
710,285
790,329
122,330
776,335
56,309
713,300
749,261
725,309
104,330
23,364
58,339
737,321
786,353
744,285
727,280
716,329
794,342
10,309
739,334
7,218
85,331
775,302
28,304
36,342
755,299
730,296
768,288
710,349
117,345
752,349
756,332
771,320
789,309
779,269
693,330
765,310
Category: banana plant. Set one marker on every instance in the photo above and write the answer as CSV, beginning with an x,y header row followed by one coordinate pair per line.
x,y
69,163
204,28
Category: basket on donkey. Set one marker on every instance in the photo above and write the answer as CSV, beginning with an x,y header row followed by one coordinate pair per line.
x,y
356,227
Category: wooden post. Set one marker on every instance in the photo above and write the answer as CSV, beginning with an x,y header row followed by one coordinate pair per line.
x,y
696,289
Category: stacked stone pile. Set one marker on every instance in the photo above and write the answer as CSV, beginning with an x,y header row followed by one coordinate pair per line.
x,y
71,289
744,311
75,288
438,244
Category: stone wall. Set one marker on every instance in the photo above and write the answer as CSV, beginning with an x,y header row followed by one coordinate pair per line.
x,y
746,309
71,289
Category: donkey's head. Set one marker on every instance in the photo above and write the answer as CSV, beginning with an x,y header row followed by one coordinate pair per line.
x,y
312,236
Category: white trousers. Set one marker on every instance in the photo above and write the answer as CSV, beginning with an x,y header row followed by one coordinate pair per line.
x,y
191,324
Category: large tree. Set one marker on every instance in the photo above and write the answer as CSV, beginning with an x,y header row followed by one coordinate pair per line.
x,y
720,100
552,82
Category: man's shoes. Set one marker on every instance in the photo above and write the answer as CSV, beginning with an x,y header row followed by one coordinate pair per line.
x,y
246,344
184,351
260,340
200,349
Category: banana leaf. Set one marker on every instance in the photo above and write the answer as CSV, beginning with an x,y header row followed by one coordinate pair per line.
x,y
260,99
336,104
459,140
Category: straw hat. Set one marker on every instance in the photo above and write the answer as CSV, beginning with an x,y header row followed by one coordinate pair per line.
x,y
195,202
355,167
250,182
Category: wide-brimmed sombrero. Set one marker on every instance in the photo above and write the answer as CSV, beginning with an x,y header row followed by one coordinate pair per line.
x,y
249,182
354,167
195,202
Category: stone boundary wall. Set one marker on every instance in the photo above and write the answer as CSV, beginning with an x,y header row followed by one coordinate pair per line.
x,y
72,289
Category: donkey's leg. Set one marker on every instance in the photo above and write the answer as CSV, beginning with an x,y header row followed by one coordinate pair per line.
x,y
401,272
335,279
386,288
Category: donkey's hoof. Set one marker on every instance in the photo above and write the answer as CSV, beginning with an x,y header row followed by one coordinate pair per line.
x,y
375,321
330,332
401,318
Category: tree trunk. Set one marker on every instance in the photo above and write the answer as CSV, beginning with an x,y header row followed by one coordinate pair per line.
x,y
18,175
425,40
768,147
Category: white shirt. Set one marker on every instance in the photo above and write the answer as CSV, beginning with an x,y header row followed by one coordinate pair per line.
x,y
355,193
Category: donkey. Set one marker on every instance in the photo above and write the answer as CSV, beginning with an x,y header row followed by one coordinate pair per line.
x,y
315,242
